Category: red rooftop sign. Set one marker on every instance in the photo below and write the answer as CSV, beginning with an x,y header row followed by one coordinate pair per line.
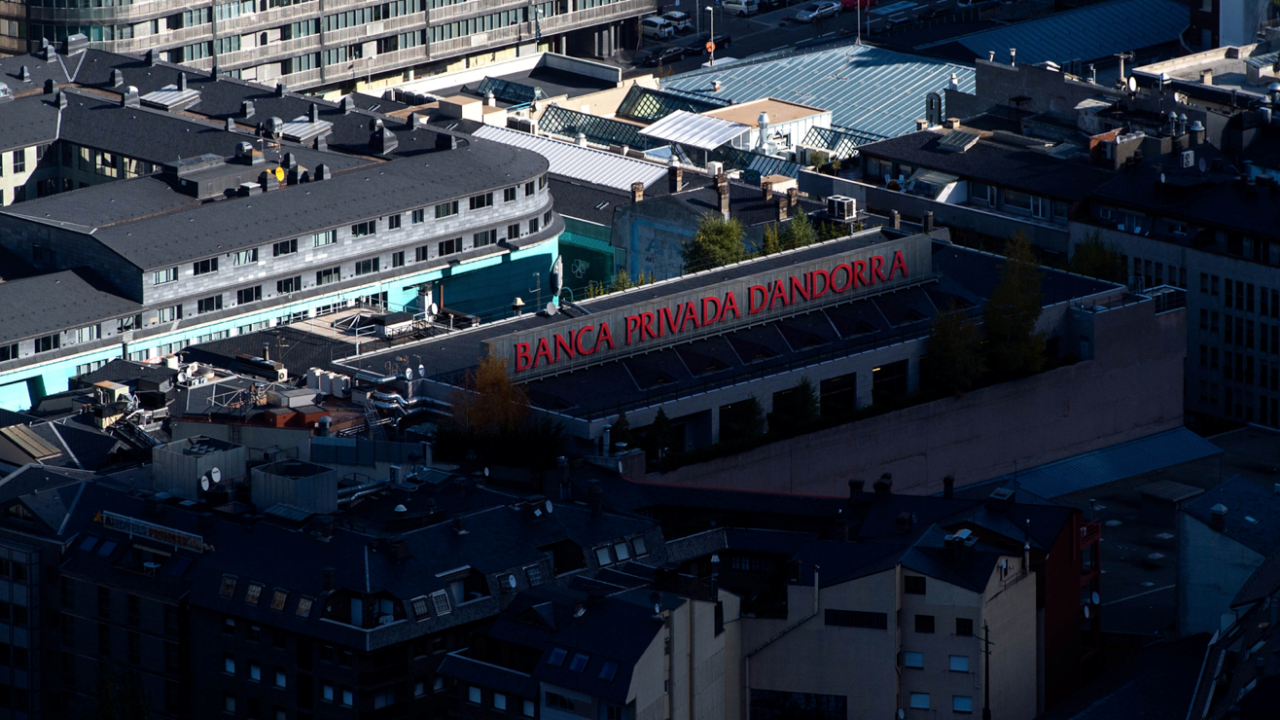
x,y
657,322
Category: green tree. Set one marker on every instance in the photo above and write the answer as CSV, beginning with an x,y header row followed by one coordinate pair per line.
x,y
796,411
800,232
621,281
718,242
955,359
621,432
818,159
659,441
835,166
1014,348
772,242
1098,259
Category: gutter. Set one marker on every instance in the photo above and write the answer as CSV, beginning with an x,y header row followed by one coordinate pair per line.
x,y
747,658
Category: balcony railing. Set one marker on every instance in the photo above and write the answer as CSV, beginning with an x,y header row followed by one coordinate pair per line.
x,y
472,7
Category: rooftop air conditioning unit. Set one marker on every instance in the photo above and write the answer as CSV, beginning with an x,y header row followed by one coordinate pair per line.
x,y
841,207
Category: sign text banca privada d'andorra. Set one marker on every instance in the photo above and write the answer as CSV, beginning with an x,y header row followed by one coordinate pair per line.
x,y
679,317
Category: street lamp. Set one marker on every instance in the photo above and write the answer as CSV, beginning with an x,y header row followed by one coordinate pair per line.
x,y
712,41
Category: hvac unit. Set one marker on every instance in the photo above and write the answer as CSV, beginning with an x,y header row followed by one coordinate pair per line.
x,y
842,208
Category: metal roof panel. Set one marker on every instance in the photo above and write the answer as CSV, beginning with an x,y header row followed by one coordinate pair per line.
x,y
577,162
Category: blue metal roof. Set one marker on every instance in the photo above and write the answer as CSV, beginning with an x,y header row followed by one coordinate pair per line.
x,y
1114,463
1089,33
867,89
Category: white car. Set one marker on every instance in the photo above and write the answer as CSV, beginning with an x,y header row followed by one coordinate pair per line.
x,y
657,27
741,8
679,21
817,11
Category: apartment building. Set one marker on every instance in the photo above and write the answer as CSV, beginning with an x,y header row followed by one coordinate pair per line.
x,y
312,45
198,213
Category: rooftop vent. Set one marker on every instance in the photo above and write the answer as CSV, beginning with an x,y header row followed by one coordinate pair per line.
x,y
246,109
313,113
117,78
151,57
5,93
246,155
958,141
445,141
1218,517
50,86
348,105
77,43
321,173
884,485
381,140
281,89
24,74
1000,499
130,97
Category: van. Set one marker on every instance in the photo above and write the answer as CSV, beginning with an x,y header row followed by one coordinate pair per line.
x,y
657,27
741,8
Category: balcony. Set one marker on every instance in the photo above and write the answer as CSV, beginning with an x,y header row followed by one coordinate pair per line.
x,y
472,7
373,29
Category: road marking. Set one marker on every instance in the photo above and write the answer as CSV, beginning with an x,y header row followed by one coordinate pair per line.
x,y
1166,587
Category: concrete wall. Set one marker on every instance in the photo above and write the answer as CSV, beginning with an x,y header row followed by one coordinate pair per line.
x,y
1009,609
1133,388
1211,570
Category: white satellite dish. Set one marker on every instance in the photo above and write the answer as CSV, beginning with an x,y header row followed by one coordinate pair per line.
x,y
552,309
182,378
1202,165
408,373
1086,612
619,466
422,370
434,309
486,472
1133,84
550,508
1096,600
193,368
215,475
204,483
511,581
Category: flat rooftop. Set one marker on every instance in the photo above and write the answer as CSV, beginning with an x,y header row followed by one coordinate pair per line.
x,y
864,323
779,111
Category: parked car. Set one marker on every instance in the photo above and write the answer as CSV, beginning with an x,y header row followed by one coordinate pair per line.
x,y
741,8
699,45
664,56
818,11
657,27
680,21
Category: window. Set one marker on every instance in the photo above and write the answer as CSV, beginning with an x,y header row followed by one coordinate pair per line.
x,y
420,608
229,703
449,247
1016,200
204,267
421,254
603,557
964,627
913,660
369,227
608,671
533,226
542,182
557,656
960,663
9,352
348,698
622,552
509,194
526,708
48,343
857,619
499,701
244,257
326,692
513,231
304,606
254,592
474,695
637,544
88,334
913,584
444,210
579,662
920,701
249,295
278,599
365,267
208,305
397,259
286,247
528,189
164,276
534,574
441,602
481,239
20,160
255,673
962,703
327,237
480,202
282,680
328,275
782,705
229,664
612,712
924,623
419,216
393,222
559,702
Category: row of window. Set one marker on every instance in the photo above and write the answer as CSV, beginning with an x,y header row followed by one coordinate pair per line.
x,y
607,672
17,160
955,663
621,551
1153,274
959,703
362,16
254,671
253,596
498,701
880,621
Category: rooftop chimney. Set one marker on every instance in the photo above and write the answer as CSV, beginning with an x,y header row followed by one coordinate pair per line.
x,y
884,485
675,177
921,124
766,190
329,574
582,139
321,172
117,78
267,179
723,191
182,82
381,140
782,208
281,89
895,220
1206,77
460,525
948,486
637,192
1000,499
50,86
926,222
1197,133
130,97
905,521
62,99
151,57
1218,519
793,197
246,109
231,125
842,529
313,113
348,105
951,123
24,74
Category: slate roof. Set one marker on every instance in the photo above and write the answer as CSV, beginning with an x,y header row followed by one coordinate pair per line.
x,y
1093,32
27,121
869,90
1243,499
126,372
1007,165
67,299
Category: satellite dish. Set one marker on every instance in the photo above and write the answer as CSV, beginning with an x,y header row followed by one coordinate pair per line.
x,y
193,368
551,308
619,466
401,509
1096,600
1133,84
550,508
1202,165
422,371
434,309
204,483
486,472
408,373
182,378
511,581
215,475
1086,612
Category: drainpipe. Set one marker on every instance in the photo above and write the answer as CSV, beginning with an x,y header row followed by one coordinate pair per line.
x,y
747,658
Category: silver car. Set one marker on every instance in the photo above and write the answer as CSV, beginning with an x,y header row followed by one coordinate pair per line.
x,y
818,11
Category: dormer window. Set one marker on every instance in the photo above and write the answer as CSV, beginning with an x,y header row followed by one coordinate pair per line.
x,y
254,592
18,511
228,586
